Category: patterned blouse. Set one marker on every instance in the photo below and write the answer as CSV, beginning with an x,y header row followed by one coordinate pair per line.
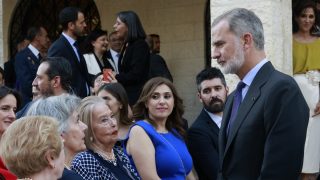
x,y
87,165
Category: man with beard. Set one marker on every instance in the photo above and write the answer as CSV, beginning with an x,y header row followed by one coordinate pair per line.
x,y
53,78
73,23
265,119
203,134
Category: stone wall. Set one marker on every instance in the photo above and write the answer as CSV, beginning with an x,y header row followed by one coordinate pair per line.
x,y
180,24
1,35
276,18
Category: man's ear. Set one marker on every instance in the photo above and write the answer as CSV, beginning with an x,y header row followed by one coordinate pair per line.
x,y
70,25
56,81
247,40
199,96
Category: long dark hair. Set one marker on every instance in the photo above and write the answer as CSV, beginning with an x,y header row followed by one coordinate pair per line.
x,y
140,112
4,91
132,21
118,92
299,9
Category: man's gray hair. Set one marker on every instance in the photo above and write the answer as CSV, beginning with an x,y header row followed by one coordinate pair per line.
x,y
243,21
60,107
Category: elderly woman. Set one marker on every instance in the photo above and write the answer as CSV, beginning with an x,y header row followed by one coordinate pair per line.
x,y
32,148
102,160
9,103
159,132
70,127
116,98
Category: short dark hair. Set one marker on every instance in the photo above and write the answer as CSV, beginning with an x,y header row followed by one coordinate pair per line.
x,y
118,92
154,35
4,91
59,66
135,29
33,32
210,73
94,35
149,41
68,14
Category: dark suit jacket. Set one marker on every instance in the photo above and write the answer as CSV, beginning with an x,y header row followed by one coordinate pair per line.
x,y
62,48
70,175
158,67
10,74
134,68
107,63
266,140
26,66
203,146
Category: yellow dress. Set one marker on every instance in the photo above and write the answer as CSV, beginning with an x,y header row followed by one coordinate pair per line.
x,y
306,57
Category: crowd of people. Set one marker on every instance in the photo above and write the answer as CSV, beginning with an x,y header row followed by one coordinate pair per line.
x,y
107,108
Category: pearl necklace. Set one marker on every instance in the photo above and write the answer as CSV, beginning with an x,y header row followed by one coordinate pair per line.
x,y
109,158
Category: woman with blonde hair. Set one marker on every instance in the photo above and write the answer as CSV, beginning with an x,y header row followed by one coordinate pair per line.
x,y
116,98
63,108
102,160
32,148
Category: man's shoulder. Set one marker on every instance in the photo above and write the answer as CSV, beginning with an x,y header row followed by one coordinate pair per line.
x,y
201,122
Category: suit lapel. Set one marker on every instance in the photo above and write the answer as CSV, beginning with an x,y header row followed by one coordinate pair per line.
x,y
70,49
224,123
251,97
212,125
31,57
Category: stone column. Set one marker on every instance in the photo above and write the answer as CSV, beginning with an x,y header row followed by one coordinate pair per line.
x,y
276,16
1,36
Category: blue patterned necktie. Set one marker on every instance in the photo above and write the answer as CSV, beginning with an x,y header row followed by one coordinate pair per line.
x,y
236,103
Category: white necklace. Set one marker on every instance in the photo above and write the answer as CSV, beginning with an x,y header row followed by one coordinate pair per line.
x,y
109,158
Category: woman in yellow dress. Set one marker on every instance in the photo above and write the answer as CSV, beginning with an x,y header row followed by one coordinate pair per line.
x,y
306,66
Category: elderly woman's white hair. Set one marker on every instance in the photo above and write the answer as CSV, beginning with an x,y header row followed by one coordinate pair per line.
x,y
60,107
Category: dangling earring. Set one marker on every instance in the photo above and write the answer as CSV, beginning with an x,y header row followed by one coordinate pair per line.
x,y
91,139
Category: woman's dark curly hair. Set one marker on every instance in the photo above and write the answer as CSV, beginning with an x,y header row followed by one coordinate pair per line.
x,y
299,9
4,91
174,121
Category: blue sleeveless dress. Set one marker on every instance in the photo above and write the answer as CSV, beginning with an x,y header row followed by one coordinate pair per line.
x,y
173,160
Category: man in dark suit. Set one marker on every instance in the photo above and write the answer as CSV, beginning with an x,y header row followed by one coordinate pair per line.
x,y
203,134
27,61
73,24
113,54
158,66
265,119
53,79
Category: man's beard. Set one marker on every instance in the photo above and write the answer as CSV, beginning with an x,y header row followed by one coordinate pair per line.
x,y
234,64
48,92
216,105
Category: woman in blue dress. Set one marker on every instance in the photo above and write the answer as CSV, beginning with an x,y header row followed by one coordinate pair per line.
x,y
156,141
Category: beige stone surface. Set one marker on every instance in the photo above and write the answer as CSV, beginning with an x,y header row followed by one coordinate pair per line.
x,y
7,10
276,18
1,36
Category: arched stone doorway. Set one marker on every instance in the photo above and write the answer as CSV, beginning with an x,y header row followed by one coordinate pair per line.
x,y
29,13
